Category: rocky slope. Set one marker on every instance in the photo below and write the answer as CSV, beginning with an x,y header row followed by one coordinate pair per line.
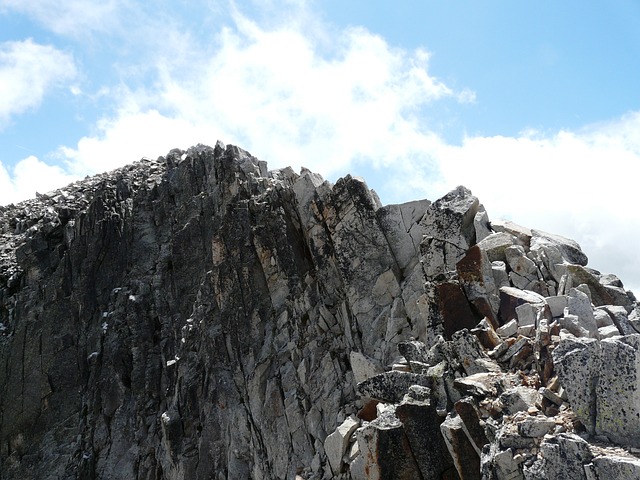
x,y
198,316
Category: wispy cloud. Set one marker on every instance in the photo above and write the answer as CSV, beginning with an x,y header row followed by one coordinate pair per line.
x,y
27,72
70,17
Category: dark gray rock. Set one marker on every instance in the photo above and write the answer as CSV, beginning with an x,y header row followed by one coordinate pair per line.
x,y
386,451
422,427
390,387
473,427
194,314
465,457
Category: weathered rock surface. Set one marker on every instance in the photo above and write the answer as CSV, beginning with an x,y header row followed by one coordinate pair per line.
x,y
198,316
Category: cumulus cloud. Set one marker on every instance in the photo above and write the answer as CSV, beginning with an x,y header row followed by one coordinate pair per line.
x,y
29,176
28,71
581,184
281,93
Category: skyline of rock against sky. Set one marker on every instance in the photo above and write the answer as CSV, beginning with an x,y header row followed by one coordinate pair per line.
x,y
534,108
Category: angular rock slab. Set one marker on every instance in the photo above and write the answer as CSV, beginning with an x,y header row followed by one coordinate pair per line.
x,y
386,451
476,275
495,245
579,304
602,382
400,224
562,456
335,445
449,231
468,413
577,362
413,351
390,387
422,426
614,467
618,391
511,298
600,294
465,457
454,309
569,249
363,367
522,234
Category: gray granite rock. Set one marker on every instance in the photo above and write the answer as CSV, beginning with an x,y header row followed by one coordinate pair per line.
x,y
449,230
482,224
476,276
579,304
461,449
578,363
511,298
198,283
522,234
557,304
422,425
198,316
618,391
620,318
536,426
569,249
612,466
561,456
494,245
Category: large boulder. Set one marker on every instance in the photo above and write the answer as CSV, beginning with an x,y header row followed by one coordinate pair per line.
x,y
449,231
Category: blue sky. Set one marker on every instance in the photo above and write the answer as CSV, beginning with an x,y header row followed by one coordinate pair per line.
x,y
534,106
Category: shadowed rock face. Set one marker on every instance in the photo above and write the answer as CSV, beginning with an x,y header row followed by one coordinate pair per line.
x,y
192,317
198,316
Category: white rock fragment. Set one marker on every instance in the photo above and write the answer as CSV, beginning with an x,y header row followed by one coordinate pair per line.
x,y
508,330
336,444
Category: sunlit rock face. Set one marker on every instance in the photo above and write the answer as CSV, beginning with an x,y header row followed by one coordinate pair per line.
x,y
199,316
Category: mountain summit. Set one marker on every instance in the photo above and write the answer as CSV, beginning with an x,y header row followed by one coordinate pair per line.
x,y
199,316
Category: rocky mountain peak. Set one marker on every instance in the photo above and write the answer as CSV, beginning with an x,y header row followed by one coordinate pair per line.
x,y
199,316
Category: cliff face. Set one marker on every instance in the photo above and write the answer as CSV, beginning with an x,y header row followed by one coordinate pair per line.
x,y
198,316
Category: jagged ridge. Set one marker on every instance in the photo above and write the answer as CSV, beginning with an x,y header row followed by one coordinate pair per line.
x,y
198,316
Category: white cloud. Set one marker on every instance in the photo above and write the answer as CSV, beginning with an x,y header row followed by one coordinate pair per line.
x,y
283,95
68,17
28,71
29,176
129,137
579,184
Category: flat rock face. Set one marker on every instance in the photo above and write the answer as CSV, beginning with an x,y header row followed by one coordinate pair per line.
x,y
198,316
